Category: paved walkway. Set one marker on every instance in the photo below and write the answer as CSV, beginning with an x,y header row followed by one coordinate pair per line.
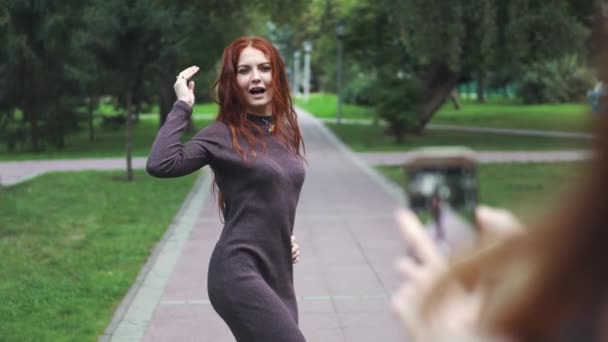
x,y
15,172
399,158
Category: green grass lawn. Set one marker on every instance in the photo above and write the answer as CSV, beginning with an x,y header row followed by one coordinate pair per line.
x,y
370,138
71,245
108,143
206,108
500,113
555,117
324,105
525,188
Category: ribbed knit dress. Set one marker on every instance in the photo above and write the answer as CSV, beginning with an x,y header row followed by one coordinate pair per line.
x,y
250,279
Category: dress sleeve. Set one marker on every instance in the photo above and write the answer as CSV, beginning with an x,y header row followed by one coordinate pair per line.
x,y
169,157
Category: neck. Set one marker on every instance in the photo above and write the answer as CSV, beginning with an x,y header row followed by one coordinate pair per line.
x,y
260,111
257,113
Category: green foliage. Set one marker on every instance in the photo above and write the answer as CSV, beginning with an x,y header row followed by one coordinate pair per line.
x,y
36,51
469,35
397,97
556,81
58,57
434,30
537,30
419,37
359,91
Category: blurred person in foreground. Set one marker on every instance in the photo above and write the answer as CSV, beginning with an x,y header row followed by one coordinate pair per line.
x,y
255,150
547,283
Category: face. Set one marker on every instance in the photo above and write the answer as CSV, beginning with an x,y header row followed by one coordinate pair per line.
x,y
254,78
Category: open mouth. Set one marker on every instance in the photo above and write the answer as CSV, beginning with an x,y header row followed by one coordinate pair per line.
x,y
257,91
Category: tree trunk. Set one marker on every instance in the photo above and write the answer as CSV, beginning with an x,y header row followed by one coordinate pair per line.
x,y
137,111
129,134
32,119
481,97
166,97
91,108
455,99
441,83
61,141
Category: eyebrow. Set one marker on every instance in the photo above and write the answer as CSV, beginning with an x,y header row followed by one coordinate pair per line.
x,y
247,65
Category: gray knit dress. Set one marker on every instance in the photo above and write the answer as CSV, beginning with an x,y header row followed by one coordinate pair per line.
x,y
250,279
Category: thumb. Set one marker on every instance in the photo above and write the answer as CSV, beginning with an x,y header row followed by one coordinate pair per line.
x,y
191,85
497,222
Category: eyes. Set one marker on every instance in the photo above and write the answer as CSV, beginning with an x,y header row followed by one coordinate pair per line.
x,y
244,70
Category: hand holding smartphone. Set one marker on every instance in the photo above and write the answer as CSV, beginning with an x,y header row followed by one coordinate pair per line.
x,y
442,189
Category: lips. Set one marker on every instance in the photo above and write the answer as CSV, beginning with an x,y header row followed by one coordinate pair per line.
x,y
257,91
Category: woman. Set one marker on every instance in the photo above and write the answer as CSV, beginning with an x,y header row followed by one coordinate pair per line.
x,y
255,151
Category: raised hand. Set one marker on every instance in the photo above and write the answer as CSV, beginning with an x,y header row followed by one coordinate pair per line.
x,y
184,86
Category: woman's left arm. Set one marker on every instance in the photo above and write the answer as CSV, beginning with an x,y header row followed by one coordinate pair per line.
x,y
169,157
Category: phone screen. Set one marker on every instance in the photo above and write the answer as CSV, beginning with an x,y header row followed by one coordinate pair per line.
x,y
444,197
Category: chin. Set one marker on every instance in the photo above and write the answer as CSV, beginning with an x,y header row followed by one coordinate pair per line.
x,y
259,104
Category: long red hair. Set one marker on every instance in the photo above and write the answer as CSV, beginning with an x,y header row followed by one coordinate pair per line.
x,y
233,107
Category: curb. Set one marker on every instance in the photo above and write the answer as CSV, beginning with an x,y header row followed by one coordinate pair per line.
x,y
132,316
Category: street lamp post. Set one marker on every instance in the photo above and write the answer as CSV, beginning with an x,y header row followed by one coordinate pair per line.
x,y
340,36
307,50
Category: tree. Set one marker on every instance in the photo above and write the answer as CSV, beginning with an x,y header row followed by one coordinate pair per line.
x,y
36,53
456,40
131,40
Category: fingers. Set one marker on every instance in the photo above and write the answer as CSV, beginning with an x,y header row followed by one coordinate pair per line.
x,y
183,79
404,304
188,73
184,86
295,250
498,222
419,242
295,257
407,268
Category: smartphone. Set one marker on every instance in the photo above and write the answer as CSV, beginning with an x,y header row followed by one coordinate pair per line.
x,y
442,189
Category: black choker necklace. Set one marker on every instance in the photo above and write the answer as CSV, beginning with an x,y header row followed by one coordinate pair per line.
x,y
267,120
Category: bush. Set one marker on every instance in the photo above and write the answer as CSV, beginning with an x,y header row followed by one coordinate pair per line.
x,y
397,99
359,91
557,81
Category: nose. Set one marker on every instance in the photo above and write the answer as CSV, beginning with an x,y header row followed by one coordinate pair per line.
x,y
255,79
